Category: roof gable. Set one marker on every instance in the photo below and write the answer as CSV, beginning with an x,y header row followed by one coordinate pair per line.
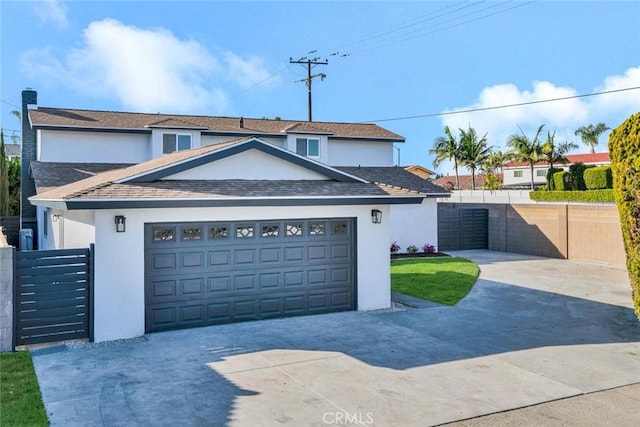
x,y
165,171
251,164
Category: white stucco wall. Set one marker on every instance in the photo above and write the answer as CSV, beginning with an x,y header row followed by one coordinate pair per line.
x,y
78,230
212,139
92,147
360,153
510,179
415,224
119,257
251,164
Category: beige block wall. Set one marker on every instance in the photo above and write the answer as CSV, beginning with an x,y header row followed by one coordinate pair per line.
x,y
555,230
537,230
595,234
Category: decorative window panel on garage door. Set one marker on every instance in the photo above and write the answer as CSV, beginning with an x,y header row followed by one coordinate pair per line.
x,y
208,273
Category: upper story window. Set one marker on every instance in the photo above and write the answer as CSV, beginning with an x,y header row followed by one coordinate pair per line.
x,y
175,142
308,147
541,172
517,174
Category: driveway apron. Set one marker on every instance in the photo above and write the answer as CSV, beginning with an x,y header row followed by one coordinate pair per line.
x,y
532,330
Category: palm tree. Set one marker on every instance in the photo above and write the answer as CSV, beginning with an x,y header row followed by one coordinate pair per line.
x,y
474,151
492,169
590,134
526,150
447,147
555,153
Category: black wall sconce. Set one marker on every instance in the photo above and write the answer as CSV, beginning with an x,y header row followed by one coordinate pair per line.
x,y
376,216
121,223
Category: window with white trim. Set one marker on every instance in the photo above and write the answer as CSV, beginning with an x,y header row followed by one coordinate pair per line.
x,y
541,172
517,174
175,142
308,147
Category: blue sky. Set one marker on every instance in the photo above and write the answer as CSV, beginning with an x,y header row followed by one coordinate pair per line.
x,y
404,59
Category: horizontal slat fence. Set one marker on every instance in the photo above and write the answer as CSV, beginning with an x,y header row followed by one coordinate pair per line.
x,y
52,295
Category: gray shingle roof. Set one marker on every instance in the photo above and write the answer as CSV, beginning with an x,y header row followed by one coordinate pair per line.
x,y
242,189
49,175
395,176
62,117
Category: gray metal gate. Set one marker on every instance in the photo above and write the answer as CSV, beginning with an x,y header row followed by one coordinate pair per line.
x,y
53,295
460,229
208,273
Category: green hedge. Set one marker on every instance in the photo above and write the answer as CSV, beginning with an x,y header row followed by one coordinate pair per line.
x,y
550,183
561,181
624,149
577,174
589,196
598,178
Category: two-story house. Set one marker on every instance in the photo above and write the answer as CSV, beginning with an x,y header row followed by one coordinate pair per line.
x,y
519,174
201,220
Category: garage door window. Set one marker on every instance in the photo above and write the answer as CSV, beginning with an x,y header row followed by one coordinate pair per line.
x,y
270,231
317,229
218,233
163,234
294,229
243,232
339,228
193,233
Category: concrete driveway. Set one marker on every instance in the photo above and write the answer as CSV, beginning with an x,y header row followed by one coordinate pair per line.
x,y
532,330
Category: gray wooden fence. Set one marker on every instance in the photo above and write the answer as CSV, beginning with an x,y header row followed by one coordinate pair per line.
x,y
53,295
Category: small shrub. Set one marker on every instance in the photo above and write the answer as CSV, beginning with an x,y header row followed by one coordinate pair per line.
x,y
562,181
550,176
413,249
598,178
577,175
428,249
395,247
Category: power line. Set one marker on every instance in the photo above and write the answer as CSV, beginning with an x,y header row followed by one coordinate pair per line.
x,y
496,107
8,103
419,34
417,21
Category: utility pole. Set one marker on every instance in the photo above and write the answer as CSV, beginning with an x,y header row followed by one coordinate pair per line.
x,y
310,63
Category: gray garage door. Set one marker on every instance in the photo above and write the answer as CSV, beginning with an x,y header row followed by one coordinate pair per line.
x,y
200,274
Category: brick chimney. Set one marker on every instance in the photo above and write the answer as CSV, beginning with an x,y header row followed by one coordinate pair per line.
x,y
27,186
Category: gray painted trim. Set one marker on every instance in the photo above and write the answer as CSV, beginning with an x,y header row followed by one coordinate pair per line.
x,y
200,203
251,143
244,134
367,138
90,129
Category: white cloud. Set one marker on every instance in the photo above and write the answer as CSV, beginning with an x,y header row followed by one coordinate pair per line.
x,y
563,117
247,72
52,11
146,70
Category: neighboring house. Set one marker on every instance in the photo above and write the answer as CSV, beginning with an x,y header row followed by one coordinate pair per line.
x,y
203,220
421,171
519,175
13,151
449,182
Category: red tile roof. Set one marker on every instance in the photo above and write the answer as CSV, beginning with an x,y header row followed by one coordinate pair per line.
x,y
449,181
587,158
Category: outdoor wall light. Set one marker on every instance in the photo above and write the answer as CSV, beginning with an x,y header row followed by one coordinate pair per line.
x,y
376,216
121,222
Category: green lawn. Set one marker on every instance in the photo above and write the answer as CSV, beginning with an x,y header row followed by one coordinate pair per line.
x,y
20,400
445,280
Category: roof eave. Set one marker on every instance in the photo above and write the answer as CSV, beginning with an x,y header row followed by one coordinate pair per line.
x,y
84,204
